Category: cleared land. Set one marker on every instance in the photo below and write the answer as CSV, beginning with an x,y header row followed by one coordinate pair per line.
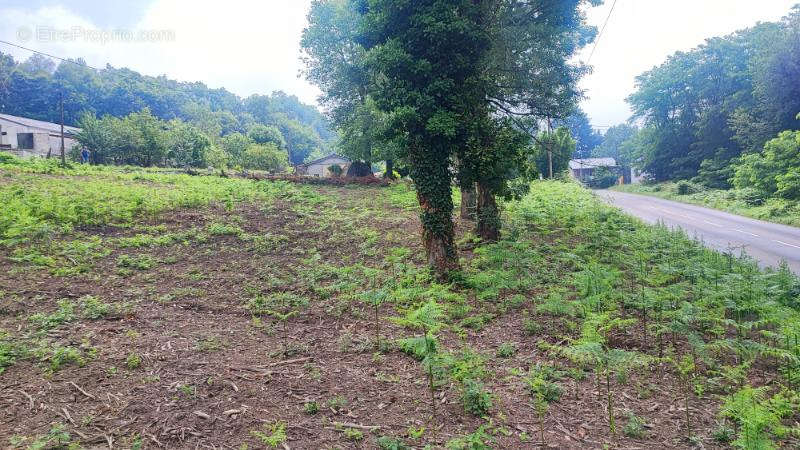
x,y
157,310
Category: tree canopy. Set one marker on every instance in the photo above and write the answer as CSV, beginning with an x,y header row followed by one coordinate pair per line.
x,y
704,108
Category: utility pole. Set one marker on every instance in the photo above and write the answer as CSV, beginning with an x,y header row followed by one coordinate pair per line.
x,y
63,156
550,147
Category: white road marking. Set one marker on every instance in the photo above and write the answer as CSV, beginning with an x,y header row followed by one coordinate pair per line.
x,y
712,223
746,232
786,243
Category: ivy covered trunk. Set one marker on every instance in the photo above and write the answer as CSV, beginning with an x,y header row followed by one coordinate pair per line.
x,y
431,177
468,203
488,215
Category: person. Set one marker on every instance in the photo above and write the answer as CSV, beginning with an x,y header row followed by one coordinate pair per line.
x,y
85,155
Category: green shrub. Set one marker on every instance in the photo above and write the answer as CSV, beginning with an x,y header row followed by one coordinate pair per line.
x,y
751,196
634,427
506,350
475,399
93,308
391,443
684,187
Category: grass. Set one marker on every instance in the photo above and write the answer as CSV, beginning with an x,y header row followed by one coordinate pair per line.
x,y
279,311
733,201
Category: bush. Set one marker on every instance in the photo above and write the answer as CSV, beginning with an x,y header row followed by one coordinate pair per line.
x,y
475,399
335,170
751,196
686,188
789,184
602,178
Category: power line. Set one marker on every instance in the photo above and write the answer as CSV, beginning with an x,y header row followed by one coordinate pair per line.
x,y
48,55
599,35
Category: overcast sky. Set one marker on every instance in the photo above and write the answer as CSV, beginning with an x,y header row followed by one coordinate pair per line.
x,y
253,46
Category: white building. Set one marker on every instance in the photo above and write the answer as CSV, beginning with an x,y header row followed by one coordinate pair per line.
x,y
319,167
29,137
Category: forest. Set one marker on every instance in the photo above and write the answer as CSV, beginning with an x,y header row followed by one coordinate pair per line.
x,y
110,101
723,114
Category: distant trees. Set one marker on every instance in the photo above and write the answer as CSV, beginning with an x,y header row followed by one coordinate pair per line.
x,y
703,108
618,143
586,138
555,146
32,89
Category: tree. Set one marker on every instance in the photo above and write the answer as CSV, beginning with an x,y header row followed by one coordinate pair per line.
x,y
427,54
262,134
706,107
586,138
264,157
235,145
528,76
187,145
334,60
558,144
774,170
616,144
38,64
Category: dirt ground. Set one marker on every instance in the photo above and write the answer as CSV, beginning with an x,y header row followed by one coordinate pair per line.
x,y
181,362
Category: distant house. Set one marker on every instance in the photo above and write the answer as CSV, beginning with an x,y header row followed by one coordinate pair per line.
x,y
319,167
30,137
584,168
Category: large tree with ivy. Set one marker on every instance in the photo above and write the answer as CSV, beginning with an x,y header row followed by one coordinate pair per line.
x,y
456,83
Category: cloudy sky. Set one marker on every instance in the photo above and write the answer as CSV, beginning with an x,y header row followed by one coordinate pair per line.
x,y
253,46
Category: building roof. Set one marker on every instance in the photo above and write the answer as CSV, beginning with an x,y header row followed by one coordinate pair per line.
x,y
589,163
324,158
50,127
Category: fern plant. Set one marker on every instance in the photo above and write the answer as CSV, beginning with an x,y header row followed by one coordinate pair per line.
x,y
427,319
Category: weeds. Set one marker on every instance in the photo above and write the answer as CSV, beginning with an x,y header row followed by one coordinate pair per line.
x,y
274,436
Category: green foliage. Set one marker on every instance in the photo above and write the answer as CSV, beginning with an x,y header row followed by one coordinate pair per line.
x,y
335,170
311,407
477,440
65,313
133,361
773,171
506,350
758,416
634,427
274,436
93,307
266,157
391,443
695,122
557,143
475,399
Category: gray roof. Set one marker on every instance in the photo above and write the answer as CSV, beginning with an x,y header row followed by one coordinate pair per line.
x,y
589,163
319,160
40,124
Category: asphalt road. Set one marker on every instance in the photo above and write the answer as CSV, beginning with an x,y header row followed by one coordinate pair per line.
x,y
769,243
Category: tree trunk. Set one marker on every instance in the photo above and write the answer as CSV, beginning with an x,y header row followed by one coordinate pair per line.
x,y
488,226
389,173
468,203
438,237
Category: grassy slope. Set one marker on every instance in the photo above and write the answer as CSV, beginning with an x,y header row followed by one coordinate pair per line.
x,y
774,210
200,310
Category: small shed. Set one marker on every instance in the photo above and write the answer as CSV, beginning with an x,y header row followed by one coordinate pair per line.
x,y
319,167
30,137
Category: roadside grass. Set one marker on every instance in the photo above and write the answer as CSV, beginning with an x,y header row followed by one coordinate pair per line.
x,y
241,313
741,202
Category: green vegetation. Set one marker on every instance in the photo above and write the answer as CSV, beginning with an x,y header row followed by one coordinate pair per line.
x,y
289,285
